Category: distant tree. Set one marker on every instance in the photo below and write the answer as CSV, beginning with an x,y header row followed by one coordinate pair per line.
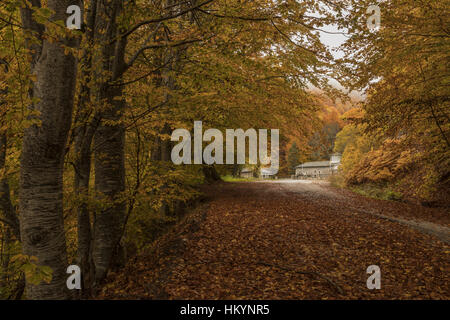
x,y
293,158
322,142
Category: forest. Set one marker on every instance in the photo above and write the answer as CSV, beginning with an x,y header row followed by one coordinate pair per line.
x,y
91,95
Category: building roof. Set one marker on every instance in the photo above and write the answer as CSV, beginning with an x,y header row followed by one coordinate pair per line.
x,y
315,164
268,171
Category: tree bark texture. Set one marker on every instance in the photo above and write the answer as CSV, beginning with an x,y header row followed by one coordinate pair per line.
x,y
41,193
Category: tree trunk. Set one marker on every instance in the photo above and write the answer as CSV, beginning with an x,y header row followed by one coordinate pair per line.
x,y
83,141
109,146
84,228
156,149
109,143
41,193
9,215
236,170
5,255
210,173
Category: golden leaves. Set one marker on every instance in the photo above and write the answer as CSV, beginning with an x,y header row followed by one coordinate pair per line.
x,y
34,273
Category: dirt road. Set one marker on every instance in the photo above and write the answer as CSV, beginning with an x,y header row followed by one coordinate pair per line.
x,y
295,240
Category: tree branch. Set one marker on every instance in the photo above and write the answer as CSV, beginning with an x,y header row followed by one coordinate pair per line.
x,y
164,18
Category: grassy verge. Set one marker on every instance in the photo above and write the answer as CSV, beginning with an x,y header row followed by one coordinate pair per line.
x,y
377,192
384,192
236,179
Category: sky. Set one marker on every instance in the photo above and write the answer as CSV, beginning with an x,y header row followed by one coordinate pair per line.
x,y
333,41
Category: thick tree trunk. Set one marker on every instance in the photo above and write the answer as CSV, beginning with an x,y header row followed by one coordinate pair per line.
x,y
109,146
41,194
109,143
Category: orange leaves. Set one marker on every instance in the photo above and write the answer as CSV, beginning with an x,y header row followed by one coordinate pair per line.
x,y
288,241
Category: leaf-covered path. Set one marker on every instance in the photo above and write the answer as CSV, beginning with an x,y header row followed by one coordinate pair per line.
x,y
292,240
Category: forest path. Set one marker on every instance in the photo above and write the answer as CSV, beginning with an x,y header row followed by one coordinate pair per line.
x,y
294,240
416,217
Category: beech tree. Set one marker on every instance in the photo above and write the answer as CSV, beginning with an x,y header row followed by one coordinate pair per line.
x,y
44,142
144,68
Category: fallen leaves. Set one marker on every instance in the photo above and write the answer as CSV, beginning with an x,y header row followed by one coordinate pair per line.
x,y
260,241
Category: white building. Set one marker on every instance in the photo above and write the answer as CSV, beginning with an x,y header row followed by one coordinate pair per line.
x,y
318,169
268,173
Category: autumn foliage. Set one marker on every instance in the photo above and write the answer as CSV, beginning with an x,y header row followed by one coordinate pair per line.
x,y
86,117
